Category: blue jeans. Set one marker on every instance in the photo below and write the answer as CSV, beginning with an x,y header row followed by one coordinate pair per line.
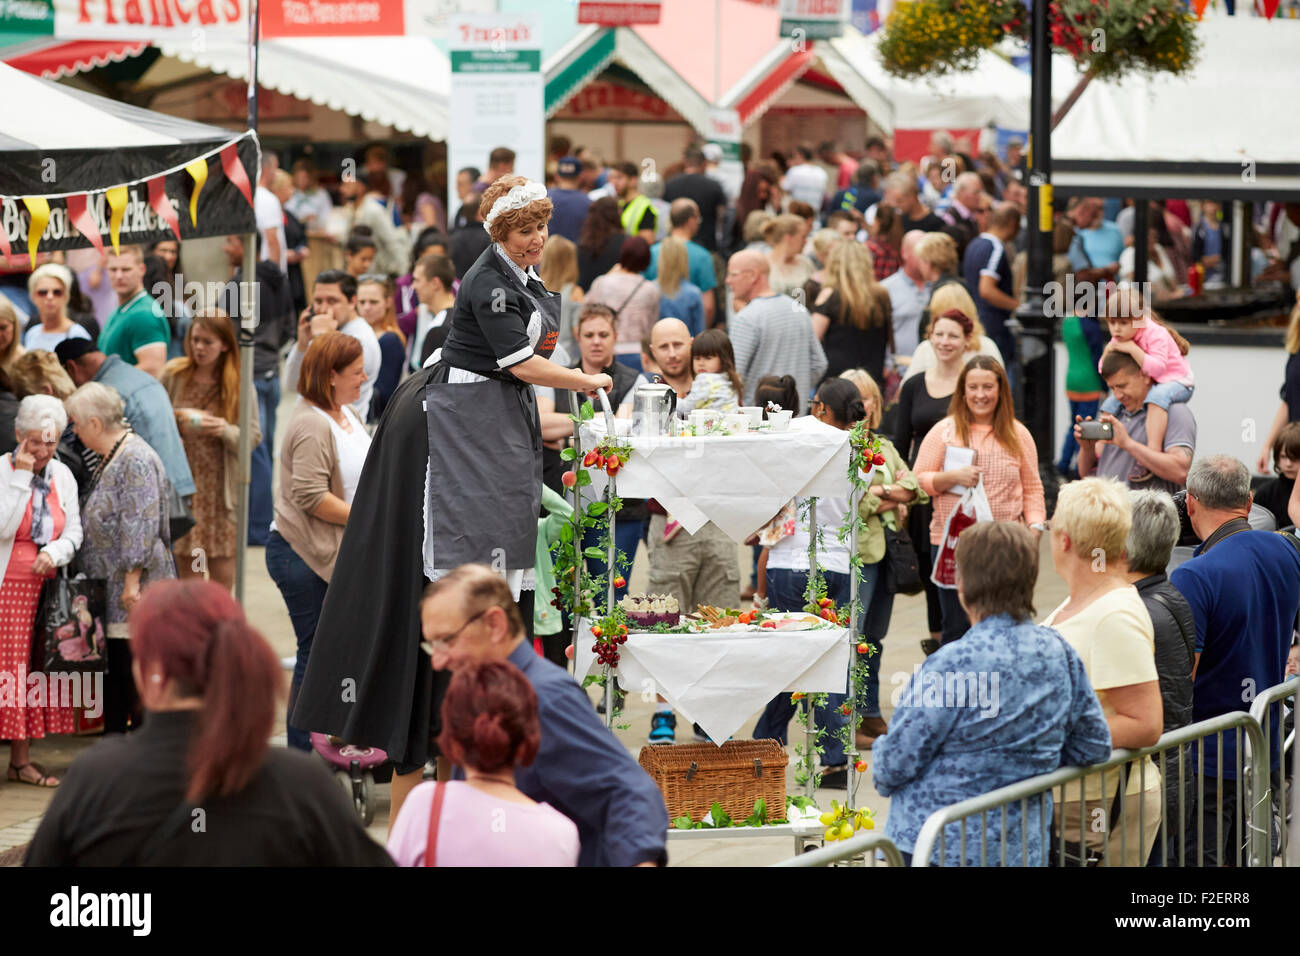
x,y
1163,394
1070,448
627,535
877,608
785,592
260,503
303,591
955,621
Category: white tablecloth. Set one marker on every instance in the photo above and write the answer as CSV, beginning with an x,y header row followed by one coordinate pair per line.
x,y
739,482
721,679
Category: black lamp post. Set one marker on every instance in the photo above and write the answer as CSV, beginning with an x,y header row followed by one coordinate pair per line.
x,y
1037,391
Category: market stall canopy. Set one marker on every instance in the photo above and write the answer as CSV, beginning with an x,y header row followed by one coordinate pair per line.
x,y
1228,129
402,82
55,59
994,92
107,168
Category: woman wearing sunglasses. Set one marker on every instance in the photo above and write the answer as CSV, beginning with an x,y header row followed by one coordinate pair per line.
x,y
50,286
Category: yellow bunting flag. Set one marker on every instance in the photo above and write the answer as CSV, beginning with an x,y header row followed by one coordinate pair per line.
x,y
198,170
117,199
39,207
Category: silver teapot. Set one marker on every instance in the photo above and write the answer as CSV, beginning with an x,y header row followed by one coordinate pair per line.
x,y
652,410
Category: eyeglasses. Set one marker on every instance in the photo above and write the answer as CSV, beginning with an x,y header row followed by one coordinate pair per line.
x,y
443,643
45,293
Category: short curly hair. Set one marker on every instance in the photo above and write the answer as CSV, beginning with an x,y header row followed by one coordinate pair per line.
x,y
536,213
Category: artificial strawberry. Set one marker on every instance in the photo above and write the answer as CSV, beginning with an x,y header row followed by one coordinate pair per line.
x,y
825,602
828,615
846,710
589,459
611,469
619,582
864,647
596,631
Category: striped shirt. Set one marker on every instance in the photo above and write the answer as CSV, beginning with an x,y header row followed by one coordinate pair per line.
x,y
1014,489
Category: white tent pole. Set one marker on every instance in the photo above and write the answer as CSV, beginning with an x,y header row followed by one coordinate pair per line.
x,y
249,307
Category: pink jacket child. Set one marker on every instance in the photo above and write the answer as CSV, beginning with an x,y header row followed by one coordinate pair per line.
x,y
1161,353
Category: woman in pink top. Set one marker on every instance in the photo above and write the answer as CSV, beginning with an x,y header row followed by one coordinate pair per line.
x,y
490,726
982,417
1161,352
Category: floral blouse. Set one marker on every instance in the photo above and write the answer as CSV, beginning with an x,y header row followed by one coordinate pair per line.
x,y
125,522
1010,700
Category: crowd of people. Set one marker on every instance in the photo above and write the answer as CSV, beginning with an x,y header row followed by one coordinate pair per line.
x,y
854,290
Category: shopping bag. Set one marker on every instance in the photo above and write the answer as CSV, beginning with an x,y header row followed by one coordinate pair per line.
x,y
70,624
971,509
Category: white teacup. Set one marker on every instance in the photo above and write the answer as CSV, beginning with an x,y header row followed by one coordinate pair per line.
x,y
702,418
754,413
780,421
736,423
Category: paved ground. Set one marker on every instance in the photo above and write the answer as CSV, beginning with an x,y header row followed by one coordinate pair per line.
x,y
21,806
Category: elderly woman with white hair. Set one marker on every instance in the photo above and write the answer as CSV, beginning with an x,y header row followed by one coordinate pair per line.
x,y
50,287
40,530
127,535
1105,620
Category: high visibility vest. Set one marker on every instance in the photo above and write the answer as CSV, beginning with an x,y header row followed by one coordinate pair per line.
x,y
635,211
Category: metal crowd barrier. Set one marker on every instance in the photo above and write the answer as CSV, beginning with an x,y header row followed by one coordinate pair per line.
x,y
859,850
1095,816
1271,710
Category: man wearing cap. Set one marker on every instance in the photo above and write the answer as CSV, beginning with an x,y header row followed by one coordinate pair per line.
x,y
570,203
148,409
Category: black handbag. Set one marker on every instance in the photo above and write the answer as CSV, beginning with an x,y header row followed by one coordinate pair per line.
x,y
901,570
71,625
180,518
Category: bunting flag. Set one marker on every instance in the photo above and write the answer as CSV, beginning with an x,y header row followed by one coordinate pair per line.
x,y
81,219
118,197
234,170
1270,8
163,206
198,171
1199,6
39,207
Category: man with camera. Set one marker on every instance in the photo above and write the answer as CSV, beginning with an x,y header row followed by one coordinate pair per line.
x,y
1112,445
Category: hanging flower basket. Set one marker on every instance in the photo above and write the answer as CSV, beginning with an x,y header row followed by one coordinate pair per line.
x,y
1108,39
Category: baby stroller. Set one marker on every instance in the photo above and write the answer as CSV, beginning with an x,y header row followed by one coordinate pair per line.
x,y
356,769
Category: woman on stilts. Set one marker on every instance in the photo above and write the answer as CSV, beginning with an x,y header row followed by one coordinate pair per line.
x,y
454,475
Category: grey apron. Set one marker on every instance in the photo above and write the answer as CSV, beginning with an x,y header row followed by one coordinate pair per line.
x,y
485,462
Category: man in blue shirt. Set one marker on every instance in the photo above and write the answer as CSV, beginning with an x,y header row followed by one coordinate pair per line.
x,y
581,769
684,222
1244,589
570,203
148,409
986,270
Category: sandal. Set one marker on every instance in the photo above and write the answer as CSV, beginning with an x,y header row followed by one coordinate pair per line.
x,y
16,774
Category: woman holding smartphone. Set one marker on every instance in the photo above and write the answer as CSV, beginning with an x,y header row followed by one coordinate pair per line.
x,y
981,419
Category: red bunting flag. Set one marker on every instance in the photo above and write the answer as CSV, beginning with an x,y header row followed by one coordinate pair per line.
x,y
234,170
1270,8
1199,6
82,220
162,205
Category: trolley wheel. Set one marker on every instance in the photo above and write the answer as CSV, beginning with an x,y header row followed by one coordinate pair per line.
x,y
366,803
344,780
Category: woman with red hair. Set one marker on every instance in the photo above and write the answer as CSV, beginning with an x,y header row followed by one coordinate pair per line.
x,y
199,784
490,726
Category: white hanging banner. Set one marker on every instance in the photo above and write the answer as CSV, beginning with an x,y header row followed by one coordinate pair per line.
x,y
497,93
814,19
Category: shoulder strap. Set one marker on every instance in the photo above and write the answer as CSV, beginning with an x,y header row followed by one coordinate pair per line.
x,y
435,817
634,291
1291,539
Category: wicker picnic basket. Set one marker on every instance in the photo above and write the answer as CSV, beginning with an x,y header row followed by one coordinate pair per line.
x,y
695,776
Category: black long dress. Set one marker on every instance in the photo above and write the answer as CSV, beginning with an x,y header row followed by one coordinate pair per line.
x,y
367,679
918,411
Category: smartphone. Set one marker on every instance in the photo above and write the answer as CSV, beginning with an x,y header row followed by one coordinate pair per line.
x,y
1096,431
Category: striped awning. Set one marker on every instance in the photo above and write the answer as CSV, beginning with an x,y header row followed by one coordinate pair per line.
x,y
55,59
